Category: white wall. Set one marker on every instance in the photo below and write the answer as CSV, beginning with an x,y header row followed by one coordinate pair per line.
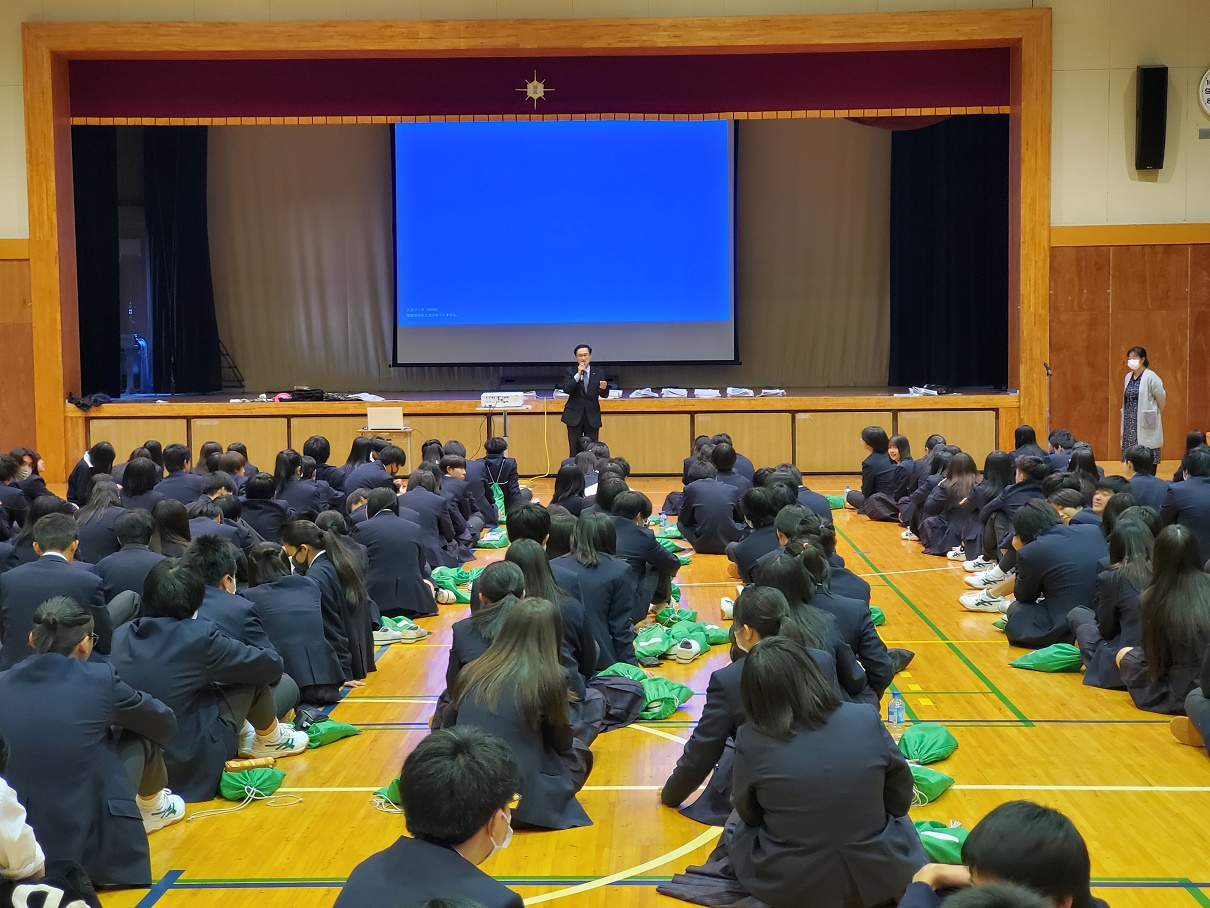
x,y
1097,44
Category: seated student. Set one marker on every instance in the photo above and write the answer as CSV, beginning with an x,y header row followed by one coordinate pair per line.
x,y
378,473
457,789
609,487
171,535
950,510
290,608
355,507
1025,444
396,572
877,470
724,459
1069,504
125,570
1194,727
582,447
97,459
1018,842
307,492
209,448
569,489
238,447
29,469
996,518
95,521
1056,572
925,474
997,475
518,691
432,516
92,794
261,510
841,580
1174,627
211,681
899,449
501,470
789,474
23,543
318,448
220,518
760,613
179,483
1194,439
1103,631
235,465
431,451
528,520
27,586
653,565
759,507
607,587
1188,503
12,499
327,558
709,513
476,483
457,490
138,485
1148,488
695,450
1061,444
743,465
558,543
21,856
587,465
821,797
1083,467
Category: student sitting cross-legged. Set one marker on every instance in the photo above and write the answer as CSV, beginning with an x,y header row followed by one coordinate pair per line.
x,y
821,797
458,790
92,795
213,683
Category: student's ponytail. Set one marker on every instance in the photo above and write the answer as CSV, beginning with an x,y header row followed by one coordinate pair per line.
x,y
343,560
59,626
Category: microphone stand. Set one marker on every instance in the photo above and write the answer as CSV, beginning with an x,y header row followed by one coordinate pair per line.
x,y
1046,366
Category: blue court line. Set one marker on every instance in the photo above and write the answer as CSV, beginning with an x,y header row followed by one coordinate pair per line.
x,y
161,886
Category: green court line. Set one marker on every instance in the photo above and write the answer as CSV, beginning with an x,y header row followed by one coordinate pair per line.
x,y
1198,896
936,630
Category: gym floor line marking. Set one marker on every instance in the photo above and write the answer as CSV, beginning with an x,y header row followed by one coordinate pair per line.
x,y
936,630
1196,789
353,789
658,733
878,573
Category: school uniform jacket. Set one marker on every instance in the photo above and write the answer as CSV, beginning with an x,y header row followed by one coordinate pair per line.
x,y
1150,490
857,629
235,533
308,498
1059,568
412,871
355,621
235,616
77,482
583,402
735,479
502,470
637,546
396,572
34,486
179,663
1188,503
57,713
26,587
743,466
97,537
458,491
547,789
16,505
267,517
710,517
1117,610
824,814
290,610
901,482
608,594
372,475
877,474
8,557
476,481
146,501
844,582
180,486
126,569
436,528
749,550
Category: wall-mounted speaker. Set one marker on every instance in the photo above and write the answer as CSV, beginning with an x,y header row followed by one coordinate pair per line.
x,y
1151,117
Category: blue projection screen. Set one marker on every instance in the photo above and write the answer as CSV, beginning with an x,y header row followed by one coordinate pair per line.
x,y
516,241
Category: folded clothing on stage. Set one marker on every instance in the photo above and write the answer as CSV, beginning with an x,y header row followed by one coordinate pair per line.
x,y
707,392
740,392
772,392
643,392
674,392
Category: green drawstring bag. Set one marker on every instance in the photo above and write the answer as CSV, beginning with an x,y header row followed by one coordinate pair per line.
x,y
446,578
663,697
625,670
497,491
999,624
493,539
250,783
400,624
672,531
389,793
929,784
943,844
670,544
670,616
684,559
717,636
927,742
877,615
652,641
835,502
689,630
676,592
1060,657
325,731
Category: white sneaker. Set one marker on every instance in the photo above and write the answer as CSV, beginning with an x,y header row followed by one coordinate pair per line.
x,y
727,605
982,601
442,596
1006,603
385,636
285,743
978,565
985,579
687,650
247,736
957,553
166,810
909,536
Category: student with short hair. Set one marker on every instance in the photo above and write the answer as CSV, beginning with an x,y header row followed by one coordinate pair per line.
x,y
238,447
262,510
97,459
92,794
814,502
319,449
877,470
458,789
760,511
1061,444
743,465
1018,842
709,514
125,570
397,573
653,565
1188,503
139,480
501,470
456,488
379,472
1148,488
179,482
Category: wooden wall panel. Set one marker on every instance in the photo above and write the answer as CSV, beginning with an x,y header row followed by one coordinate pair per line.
x,y
127,434
651,442
1199,279
1199,382
1080,388
1150,278
539,442
264,436
765,438
974,431
15,305
1079,280
17,424
831,442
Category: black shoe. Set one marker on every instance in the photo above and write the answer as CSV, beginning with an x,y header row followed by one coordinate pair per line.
x,y
649,662
901,658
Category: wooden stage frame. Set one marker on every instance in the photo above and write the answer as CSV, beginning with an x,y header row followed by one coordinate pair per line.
x,y
817,430
48,48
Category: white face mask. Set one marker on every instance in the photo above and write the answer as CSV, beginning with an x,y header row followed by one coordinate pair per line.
x,y
746,649
24,472
1133,364
508,838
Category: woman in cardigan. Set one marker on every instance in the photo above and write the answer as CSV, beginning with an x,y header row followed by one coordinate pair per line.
x,y
1143,399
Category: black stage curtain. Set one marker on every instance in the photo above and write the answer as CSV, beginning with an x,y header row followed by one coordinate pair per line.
x,y
94,152
185,343
949,253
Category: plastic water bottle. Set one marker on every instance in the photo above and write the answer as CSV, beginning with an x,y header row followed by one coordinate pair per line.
x,y
896,716
663,520
847,490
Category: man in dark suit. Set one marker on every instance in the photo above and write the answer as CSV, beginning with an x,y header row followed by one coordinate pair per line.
x,y
397,574
1056,572
710,518
179,482
458,787
584,385
126,569
379,473
1188,502
26,587
653,565
1148,488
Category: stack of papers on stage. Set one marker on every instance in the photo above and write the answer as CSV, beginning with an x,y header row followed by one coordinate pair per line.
x,y
674,392
529,395
614,394
921,392
643,392
707,392
367,397
560,394
772,392
740,392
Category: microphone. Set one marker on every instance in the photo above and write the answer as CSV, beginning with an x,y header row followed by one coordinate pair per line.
x,y
1046,366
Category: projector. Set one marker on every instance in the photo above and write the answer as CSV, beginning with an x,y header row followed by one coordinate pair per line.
x,y
502,400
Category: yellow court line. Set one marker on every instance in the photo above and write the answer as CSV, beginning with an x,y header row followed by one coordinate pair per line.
x,y
710,835
1159,788
368,789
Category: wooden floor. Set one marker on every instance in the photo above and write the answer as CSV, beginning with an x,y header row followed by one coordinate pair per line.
x,y
1140,798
